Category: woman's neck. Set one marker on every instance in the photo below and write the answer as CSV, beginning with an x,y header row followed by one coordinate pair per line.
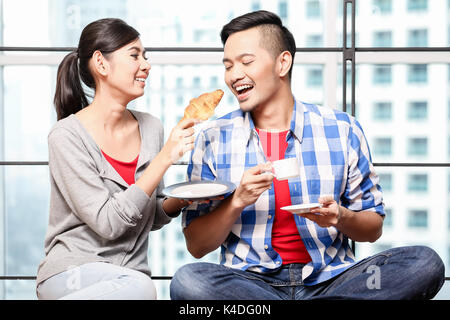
x,y
108,113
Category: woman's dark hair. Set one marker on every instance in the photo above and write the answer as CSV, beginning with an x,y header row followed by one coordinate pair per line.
x,y
275,37
105,35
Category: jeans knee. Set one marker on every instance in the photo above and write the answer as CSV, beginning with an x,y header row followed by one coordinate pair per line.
x,y
179,285
430,260
435,264
428,272
186,284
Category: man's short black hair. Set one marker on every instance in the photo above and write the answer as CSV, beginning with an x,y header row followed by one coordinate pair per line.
x,y
276,38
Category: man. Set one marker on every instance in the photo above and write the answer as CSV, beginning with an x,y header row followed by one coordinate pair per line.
x,y
269,253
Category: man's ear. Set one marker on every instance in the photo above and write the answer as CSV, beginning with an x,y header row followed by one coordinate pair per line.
x,y
100,64
284,63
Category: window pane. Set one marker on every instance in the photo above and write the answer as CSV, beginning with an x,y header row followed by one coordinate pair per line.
x,y
412,115
414,218
167,23
26,215
27,198
314,40
308,83
170,86
411,23
28,111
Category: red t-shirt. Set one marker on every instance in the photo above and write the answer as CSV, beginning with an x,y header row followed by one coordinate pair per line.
x,y
125,169
285,237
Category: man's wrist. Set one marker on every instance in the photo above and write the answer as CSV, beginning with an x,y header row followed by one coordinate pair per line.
x,y
236,204
343,215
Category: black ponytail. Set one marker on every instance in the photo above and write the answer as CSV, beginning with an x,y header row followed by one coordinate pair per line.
x,y
69,95
105,35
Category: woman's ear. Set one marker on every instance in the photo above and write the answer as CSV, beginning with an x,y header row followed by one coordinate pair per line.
x,y
284,63
100,64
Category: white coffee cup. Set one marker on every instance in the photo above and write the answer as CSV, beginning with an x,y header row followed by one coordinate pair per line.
x,y
286,168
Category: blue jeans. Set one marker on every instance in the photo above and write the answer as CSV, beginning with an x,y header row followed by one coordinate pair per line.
x,y
414,272
97,281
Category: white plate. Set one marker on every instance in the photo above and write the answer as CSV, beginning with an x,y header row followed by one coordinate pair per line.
x,y
302,208
199,190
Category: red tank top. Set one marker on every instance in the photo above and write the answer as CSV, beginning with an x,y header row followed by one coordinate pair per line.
x,y
285,237
125,169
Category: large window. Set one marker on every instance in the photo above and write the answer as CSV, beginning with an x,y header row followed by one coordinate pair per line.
x,y
401,99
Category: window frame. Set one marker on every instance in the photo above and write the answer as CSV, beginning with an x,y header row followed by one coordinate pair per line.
x,y
329,57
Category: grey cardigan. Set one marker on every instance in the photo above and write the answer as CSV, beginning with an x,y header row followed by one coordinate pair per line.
x,y
94,214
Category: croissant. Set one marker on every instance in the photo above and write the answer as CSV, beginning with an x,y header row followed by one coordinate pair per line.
x,y
203,106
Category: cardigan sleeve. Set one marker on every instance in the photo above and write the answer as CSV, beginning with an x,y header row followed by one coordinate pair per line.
x,y
161,217
79,182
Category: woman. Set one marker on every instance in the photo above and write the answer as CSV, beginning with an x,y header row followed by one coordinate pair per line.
x,y
106,166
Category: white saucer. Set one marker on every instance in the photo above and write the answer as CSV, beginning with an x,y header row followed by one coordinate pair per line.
x,y
199,190
302,208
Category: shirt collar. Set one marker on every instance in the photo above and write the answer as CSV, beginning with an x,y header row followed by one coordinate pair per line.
x,y
296,127
298,120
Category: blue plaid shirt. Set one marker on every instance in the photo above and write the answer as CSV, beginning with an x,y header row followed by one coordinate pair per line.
x,y
334,158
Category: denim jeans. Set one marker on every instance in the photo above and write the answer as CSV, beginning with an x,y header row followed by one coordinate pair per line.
x,y
414,272
97,281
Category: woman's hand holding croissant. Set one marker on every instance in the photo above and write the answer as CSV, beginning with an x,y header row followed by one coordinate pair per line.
x,y
181,140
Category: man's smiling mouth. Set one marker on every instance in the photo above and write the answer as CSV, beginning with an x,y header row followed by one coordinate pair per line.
x,y
241,89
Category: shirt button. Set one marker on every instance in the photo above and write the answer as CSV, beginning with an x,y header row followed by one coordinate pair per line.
x,y
269,217
266,246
